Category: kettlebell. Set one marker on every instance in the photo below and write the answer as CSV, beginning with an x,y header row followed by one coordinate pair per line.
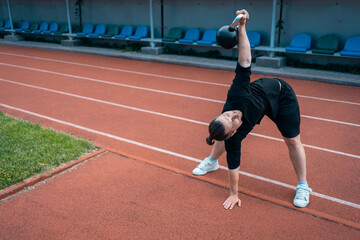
x,y
227,36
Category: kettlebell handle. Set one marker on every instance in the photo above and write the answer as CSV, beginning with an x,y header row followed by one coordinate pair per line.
x,y
235,22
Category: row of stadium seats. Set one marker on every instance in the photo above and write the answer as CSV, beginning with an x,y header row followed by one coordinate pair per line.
x,y
192,36
301,43
127,32
44,27
326,44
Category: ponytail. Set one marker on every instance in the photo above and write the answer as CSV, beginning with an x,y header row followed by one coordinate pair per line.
x,y
210,141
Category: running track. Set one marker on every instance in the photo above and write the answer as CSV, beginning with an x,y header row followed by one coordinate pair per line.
x,y
159,113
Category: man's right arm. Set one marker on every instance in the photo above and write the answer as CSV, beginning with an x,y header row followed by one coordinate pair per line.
x,y
244,50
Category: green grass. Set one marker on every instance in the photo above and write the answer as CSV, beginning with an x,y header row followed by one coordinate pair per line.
x,y
27,149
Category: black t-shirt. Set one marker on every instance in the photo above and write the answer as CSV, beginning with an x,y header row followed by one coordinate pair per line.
x,y
254,100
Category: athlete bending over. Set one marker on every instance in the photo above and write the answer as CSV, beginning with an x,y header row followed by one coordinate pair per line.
x,y
246,104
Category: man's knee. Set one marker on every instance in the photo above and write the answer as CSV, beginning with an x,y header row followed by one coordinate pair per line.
x,y
293,143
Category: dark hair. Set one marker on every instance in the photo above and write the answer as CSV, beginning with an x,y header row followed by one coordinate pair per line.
x,y
216,131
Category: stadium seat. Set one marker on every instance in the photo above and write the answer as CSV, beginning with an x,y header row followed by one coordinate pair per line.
x,y
254,38
140,32
43,27
352,47
64,28
88,28
126,31
24,26
191,35
53,28
7,25
100,29
112,31
33,26
300,42
209,37
327,44
173,35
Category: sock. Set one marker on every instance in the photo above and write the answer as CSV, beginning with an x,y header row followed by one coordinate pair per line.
x,y
303,183
211,159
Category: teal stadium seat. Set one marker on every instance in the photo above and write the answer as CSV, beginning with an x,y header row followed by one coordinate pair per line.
x,y
63,28
352,47
173,35
327,44
112,31
209,37
33,26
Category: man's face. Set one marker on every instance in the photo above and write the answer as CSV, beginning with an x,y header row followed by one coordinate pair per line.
x,y
231,121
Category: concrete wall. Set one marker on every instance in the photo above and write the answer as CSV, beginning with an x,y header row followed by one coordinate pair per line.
x,y
314,17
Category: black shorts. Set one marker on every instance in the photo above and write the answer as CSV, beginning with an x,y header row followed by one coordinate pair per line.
x,y
288,117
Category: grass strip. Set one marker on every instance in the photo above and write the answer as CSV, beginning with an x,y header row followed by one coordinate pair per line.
x,y
27,149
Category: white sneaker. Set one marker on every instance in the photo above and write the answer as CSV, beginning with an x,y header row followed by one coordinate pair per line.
x,y
302,196
206,166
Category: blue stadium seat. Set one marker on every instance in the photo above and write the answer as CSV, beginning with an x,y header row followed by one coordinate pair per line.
x,y
24,26
43,27
99,30
352,47
191,36
88,28
126,31
300,42
141,32
209,37
6,26
254,38
53,28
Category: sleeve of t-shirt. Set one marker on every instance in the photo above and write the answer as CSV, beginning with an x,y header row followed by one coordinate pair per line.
x,y
233,146
233,152
242,78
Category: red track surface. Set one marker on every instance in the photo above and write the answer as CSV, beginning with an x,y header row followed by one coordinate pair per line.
x,y
115,197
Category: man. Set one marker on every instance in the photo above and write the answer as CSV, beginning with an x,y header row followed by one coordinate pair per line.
x,y
246,105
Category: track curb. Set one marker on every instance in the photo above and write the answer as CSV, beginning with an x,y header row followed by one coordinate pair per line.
x,y
46,175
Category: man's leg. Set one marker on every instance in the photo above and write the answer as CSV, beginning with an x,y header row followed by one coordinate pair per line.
x,y
297,156
211,163
218,149
298,159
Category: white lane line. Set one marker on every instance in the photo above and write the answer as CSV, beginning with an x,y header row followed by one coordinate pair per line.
x,y
329,100
104,102
329,120
159,76
171,116
173,153
112,83
158,91
118,70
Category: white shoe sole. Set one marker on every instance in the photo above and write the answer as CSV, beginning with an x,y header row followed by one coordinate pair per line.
x,y
202,173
